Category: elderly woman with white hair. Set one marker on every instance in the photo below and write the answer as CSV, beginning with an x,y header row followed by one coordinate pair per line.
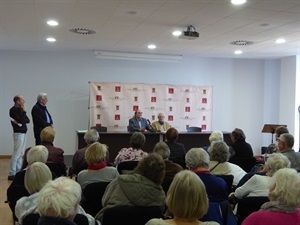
x,y
216,135
284,205
258,185
219,165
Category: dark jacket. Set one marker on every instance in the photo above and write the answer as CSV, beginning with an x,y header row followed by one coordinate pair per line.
x,y
20,116
47,220
39,118
134,124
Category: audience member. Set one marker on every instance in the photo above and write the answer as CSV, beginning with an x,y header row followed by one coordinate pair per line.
x,y
177,149
36,176
284,205
58,203
219,165
161,125
273,147
138,123
97,168
197,160
78,162
186,200
285,145
40,116
142,188
214,136
134,153
19,120
55,159
162,149
242,153
258,185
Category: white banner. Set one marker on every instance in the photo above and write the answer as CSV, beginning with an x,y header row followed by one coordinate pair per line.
x,y
113,104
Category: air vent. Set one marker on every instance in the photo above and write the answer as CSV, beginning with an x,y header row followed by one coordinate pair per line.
x,y
83,31
241,43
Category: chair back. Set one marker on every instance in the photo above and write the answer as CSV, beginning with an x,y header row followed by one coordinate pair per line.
x,y
193,129
32,219
99,128
133,215
229,180
92,197
248,205
126,166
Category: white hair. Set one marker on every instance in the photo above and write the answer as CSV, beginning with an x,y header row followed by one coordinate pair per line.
x,y
41,96
197,157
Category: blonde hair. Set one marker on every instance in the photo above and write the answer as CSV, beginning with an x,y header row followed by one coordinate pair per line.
x,y
38,153
187,197
36,176
285,187
216,136
95,153
277,161
47,134
59,198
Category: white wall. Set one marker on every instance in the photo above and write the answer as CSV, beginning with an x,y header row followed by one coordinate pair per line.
x,y
241,92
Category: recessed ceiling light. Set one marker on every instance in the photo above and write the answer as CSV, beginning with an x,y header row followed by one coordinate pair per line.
x,y
51,39
152,46
280,41
177,33
52,23
238,2
238,52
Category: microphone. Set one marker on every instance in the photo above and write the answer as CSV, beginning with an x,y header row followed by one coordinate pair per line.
x,y
150,125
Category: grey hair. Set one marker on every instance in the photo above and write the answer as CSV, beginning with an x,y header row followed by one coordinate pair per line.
x,y
219,151
137,139
41,96
91,136
38,153
277,161
216,136
196,157
162,149
288,139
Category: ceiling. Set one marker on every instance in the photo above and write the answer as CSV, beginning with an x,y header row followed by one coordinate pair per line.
x,y
130,25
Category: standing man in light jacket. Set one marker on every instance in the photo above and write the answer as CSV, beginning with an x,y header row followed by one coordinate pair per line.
x,y
40,116
19,119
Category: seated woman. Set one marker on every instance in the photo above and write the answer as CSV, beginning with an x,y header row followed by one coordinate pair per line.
x,y
97,170
219,165
258,185
284,205
134,153
142,188
214,136
197,160
177,150
186,200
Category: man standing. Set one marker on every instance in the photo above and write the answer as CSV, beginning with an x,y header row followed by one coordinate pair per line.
x,y
161,125
138,123
40,116
19,120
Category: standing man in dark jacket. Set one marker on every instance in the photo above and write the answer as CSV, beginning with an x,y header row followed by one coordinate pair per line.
x,y
19,120
40,116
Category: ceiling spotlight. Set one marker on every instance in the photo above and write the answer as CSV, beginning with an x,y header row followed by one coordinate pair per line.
x,y
238,2
238,52
280,41
51,39
177,33
52,23
152,46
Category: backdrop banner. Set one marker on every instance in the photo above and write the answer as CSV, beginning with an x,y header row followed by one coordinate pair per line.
x,y
113,104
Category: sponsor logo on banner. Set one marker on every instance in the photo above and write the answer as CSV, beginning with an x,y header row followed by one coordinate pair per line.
x,y
98,98
153,99
203,117
98,125
153,90
117,107
203,126
99,88
187,109
170,118
98,116
204,91
171,90
204,100
135,107
187,99
117,88
135,98
170,108
117,117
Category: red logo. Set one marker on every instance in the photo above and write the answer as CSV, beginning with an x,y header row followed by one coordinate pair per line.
x,y
204,100
171,90
153,99
170,118
98,97
187,109
135,107
117,89
98,124
117,117
203,126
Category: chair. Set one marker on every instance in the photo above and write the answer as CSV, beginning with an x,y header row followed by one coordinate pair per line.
x,y
229,180
99,128
248,205
181,162
126,166
32,219
14,193
133,215
194,129
245,163
92,197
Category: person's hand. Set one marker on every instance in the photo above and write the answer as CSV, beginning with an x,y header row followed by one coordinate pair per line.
x,y
23,107
143,129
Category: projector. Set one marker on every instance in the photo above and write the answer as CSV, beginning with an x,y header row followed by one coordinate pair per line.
x,y
190,34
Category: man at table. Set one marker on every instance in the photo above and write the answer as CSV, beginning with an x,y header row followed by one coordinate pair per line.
x,y
138,123
161,125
